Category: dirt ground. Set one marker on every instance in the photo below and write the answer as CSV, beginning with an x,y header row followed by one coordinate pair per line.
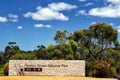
x,y
49,78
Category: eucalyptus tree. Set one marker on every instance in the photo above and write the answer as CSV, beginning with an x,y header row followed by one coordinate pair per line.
x,y
98,38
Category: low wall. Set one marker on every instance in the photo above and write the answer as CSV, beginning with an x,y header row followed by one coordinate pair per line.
x,y
47,67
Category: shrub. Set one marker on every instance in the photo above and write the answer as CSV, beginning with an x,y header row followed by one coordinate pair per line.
x,y
102,69
1,71
6,69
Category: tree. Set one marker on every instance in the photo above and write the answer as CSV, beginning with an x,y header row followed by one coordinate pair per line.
x,y
6,68
58,54
41,52
1,58
50,51
97,38
74,47
11,43
7,53
65,49
69,57
10,50
54,52
61,36
24,56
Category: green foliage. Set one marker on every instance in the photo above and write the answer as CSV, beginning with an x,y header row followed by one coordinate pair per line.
x,y
69,57
89,68
77,56
41,52
50,51
61,36
1,58
11,43
58,54
6,68
74,46
1,71
24,56
97,39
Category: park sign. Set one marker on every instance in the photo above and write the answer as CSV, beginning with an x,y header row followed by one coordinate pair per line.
x,y
47,68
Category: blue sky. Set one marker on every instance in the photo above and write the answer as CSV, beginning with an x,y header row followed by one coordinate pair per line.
x,y
34,22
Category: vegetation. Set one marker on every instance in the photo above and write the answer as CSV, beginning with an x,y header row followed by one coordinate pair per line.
x,y
98,46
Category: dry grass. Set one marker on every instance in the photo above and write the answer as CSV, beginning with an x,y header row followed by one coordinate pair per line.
x,y
49,78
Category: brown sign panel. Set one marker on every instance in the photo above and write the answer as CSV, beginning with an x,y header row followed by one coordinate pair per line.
x,y
33,69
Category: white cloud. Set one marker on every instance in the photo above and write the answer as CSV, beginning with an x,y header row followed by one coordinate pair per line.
x,y
81,0
112,10
61,6
3,19
81,12
118,28
13,17
93,23
19,27
51,12
42,26
46,14
114,1
112,24
88,4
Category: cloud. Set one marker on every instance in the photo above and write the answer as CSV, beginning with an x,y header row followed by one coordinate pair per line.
x,y
88,4
114,1
81,0
61,6
112,10
118,28
93,23
13,17
81,12
51,12
42,26
20,27
3,19
112,24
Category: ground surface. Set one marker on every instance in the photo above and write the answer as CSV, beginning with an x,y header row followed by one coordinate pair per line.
x,y
49,78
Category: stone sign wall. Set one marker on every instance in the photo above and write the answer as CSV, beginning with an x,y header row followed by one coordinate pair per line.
x,y
47,67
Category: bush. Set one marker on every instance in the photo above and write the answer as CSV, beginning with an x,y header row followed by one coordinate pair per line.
x,y
6,69
1,71
103,69
69,57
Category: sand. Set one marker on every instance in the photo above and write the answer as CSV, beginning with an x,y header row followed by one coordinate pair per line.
x,y
49,78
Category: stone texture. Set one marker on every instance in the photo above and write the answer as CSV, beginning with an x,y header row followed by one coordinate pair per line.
x,y
47,67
